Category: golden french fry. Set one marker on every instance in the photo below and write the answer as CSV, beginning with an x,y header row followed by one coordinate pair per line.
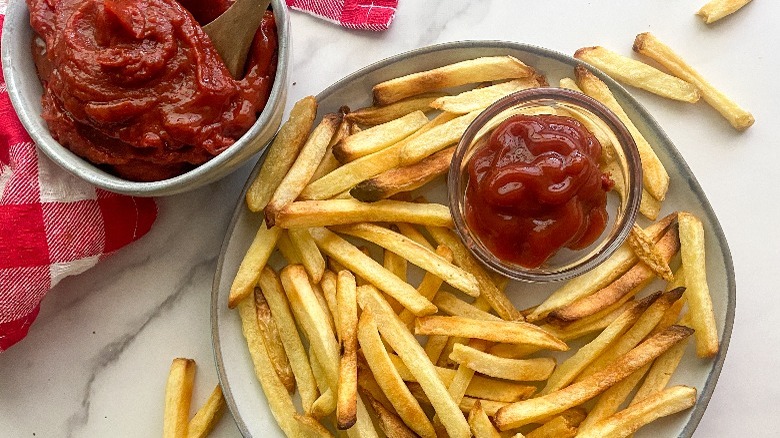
x,y
660,373
511,369
405,344
287,249
416,254
655,177
492,68
390,423
648,206
638,74
293,346
326,402
436,139
273,342
535,409
610,401
629,420
645,248
376,115
697,292
346,407
435,347
511,332
329,287
282,153
490,407
303,168
647,44
569,84
379,137
311,427
208,415
311,258
329,162
178,395
480,98
255,259
717,9
558,427
404,178
454,306
306,214
480,424
413,233
388,379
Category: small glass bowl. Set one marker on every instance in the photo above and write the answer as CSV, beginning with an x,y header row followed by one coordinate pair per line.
x,y
625,170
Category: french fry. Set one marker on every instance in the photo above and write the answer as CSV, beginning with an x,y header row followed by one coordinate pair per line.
x,y
208,415
303,168
388,379
610,401
490,407
282,153
697,292
326,402
480,424
558,427
435,347
379,137
293,346
390,423
329,287
346,407
178,395
629,420
287,249
647,44
354,260
429,286
404,343
717,9
416,254
376,115
655,177
329,162
660,373
480,98
368,386
255,259
647,251
436,139
311,427
460,73
638,74
404,178
311,258
273,342
306,214
535,409
648,206
511,369
323,302
511,332
454,306
413,233
569,84
276,394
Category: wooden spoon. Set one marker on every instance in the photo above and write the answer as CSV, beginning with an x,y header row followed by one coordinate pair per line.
x,y
233,31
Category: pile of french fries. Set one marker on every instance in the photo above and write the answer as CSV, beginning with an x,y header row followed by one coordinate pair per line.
x,y
372,353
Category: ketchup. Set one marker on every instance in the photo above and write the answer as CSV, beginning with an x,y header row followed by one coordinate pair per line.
x,y
535,187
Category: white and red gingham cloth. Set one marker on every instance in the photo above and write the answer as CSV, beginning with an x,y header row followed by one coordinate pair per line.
x,y
52,224
353,14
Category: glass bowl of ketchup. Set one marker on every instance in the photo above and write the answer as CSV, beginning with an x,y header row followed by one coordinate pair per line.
x,y
545,184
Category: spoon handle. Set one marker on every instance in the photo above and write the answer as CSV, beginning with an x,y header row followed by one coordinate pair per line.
x,y
233,31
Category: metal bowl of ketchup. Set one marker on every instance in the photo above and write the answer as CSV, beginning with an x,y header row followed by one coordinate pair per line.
x,y
545,184
115,107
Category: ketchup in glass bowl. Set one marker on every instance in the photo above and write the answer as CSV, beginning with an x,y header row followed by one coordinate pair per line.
x,y
544,185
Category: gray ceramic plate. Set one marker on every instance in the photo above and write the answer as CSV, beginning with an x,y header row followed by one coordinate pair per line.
x,y
242,391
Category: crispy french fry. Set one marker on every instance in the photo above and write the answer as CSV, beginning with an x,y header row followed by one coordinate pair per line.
x,y
346,407
273,342
490,407
717,9
454,306
629,420
638,74
647,251
416,254
178,395
311,258
379,137
305,214
647,44
435,347
303,168
511,332
311,427
329,162
569,84
390,423
376,115
293,346
610,401
655,177
326,402
660,373
323,302
255,259
648,206
492,68
368,385
558,427
511,369
480,424
480,98
208,415
404,343
697,292
413,233
287,249
329,286
528,411
404,178
282,153
436,139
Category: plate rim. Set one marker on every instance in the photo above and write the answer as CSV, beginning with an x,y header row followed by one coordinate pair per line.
x,y
706,392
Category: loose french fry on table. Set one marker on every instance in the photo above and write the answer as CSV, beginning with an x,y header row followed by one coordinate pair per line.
x,y
178,395
717,9
647,44
208,415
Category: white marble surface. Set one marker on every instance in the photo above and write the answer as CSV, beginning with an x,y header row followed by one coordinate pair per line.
x,y
96,361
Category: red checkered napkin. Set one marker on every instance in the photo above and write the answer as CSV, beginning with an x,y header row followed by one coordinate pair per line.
x,y
52,224
354,14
